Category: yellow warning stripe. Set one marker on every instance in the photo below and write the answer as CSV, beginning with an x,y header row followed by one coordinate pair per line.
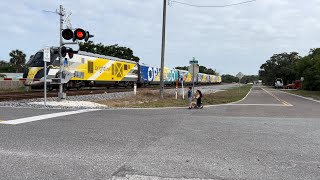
x,y
281,100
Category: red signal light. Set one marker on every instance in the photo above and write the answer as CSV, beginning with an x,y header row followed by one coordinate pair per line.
x,y
79,34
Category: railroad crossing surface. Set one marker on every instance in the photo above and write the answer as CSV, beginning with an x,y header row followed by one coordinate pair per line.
x,y
268,135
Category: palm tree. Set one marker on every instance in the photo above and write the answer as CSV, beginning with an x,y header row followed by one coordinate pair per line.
x,y
18,58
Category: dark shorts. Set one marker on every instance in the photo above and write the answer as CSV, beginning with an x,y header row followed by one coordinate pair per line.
x,y
199,103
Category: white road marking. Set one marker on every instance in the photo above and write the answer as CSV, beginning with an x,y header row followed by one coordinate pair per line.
x,y
206,106
302,97
141,177
243,98
277,98
45,116
259,104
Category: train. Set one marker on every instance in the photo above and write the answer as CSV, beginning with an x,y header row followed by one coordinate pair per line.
x,y
86,69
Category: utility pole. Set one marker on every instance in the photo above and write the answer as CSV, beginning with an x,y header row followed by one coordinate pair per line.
x,y
163,47
193,77
193,63
61,94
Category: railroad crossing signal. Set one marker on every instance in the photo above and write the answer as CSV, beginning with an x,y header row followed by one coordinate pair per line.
x,y
68,34
78,34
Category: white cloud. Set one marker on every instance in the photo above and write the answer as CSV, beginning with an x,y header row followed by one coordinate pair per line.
x,y
229,39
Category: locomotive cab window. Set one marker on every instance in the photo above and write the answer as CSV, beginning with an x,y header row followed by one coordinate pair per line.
x,y
37,60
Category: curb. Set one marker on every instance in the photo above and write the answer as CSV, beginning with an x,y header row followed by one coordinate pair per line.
x,y
307,98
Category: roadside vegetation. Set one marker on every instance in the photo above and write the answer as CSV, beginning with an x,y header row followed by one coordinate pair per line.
x,y
311,94
227,78
151,99
16,63
291,67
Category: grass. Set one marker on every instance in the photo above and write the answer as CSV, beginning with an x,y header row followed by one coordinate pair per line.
x,y
150,99
311,94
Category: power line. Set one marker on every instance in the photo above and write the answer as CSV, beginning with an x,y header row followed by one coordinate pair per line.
x,y
215,6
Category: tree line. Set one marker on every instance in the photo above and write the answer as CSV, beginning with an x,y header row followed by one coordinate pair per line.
x,y
113,50
291,67
202,69
16,64
227,78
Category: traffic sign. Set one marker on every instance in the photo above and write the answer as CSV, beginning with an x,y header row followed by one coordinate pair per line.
x,y
193,62
46,54
193,68
240,75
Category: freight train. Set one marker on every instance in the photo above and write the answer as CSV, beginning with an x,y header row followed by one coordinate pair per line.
x,y
93,70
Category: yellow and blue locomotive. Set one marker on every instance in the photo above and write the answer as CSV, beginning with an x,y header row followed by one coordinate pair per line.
x,y
93,70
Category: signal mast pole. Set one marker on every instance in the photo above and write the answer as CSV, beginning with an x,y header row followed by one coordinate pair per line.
x,y
61,94
163,47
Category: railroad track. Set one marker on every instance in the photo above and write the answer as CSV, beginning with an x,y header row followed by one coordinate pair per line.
x,y
14,96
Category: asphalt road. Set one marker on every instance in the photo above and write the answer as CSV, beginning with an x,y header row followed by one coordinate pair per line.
x,y
268,135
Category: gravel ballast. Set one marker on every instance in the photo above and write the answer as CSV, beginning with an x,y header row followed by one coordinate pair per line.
x,y
85,101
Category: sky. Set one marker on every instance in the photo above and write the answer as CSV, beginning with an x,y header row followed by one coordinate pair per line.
x,y
229,40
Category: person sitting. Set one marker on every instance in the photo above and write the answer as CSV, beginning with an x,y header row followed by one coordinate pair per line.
x,y
199,99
